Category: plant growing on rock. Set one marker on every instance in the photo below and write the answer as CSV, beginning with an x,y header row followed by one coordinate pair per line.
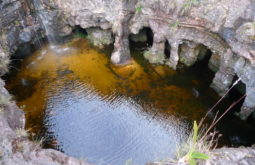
x,y
138,9
203,140
175,25
188,4
197,147
4,63
38,140
20,132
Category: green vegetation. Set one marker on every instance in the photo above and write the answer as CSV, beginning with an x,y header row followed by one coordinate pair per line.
x,y
204,140
190,3
138,9
38,140
195,148
80,35
175,25
20,132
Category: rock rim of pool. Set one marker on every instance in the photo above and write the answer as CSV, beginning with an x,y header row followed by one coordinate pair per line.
x,y
226,27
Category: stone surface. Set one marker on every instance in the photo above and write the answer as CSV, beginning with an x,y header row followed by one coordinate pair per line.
x,y
222,156
19,26
233,156
225,27
99,37
15,148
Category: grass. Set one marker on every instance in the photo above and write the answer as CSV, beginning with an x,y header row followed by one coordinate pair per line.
x,y
38,140
138,9
174,26
204,139
20,132
196,147
4,65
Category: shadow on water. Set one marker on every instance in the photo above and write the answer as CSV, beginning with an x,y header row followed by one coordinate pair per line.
x,y
90,109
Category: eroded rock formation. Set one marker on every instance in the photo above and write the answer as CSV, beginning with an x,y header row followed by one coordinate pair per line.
x,y
227,28
18,26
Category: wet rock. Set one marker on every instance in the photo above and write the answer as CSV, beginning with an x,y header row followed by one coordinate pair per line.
x,y
123,72
221,82
121,54
12,38
10,11
99,37
174,55
65,31
189,53
4,61
15,148
156,54
214,62
218,25
25,36
224,77
155,57
64,72
140,37
249,103
224,27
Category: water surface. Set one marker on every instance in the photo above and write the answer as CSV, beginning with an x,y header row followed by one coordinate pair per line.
x,y
87,108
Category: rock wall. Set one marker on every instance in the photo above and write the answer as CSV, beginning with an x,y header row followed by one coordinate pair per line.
x,y
223,156
19,25
15,147
226,27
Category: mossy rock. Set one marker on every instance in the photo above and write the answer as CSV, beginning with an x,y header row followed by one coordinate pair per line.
x,y
154,58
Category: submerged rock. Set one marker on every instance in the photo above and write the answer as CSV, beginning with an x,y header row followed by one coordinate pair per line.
x,y
225,27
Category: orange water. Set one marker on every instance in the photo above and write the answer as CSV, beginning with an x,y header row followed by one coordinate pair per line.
x,y
90,109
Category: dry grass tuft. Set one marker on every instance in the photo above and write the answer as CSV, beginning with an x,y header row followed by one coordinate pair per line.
x,y
20,132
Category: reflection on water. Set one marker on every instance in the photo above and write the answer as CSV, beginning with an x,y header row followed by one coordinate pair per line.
x,y
90,109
